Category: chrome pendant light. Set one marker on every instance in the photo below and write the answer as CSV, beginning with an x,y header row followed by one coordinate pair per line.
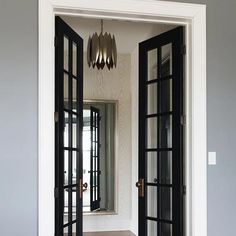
x,y
102,50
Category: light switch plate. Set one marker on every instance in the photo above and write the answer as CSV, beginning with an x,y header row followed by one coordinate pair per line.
x,y
211,158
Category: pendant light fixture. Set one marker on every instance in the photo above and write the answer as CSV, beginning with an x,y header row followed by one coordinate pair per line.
x,y
102,50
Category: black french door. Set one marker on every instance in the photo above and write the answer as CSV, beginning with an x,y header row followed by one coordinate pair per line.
x,y
95,159
160,135
68,130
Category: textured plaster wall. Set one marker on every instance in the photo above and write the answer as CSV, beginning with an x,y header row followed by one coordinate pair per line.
x,y
114,85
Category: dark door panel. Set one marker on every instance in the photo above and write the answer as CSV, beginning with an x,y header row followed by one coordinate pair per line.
x,y
95,159
160,135
68,130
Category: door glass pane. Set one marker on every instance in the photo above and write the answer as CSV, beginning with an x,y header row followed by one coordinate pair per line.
x,y
152,167
74,204
66,87
166,60
152,132
66,206
152,201
74,167
165,167
93,190
152,64
151,228
66,50
74,133
165,131
66,129
65,167
74,94
152,98
165,202
65,231
166,229
74,59
96,191
166,95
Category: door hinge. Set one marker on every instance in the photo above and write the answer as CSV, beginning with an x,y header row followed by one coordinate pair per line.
x,y
56,116
183,50
56,41
56,192
183,120
184,190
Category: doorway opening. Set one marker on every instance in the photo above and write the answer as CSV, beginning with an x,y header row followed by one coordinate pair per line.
x,y
106,163
190,15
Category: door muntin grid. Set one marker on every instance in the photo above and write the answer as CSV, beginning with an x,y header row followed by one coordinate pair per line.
x,y
95,159
68,129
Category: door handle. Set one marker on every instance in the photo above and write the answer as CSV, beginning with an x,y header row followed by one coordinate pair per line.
x,y
140,186
81,186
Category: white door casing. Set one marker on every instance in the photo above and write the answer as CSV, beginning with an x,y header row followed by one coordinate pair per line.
x,y
193,17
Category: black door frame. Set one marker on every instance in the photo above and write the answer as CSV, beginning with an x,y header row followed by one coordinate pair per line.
x,y
95,154
175,37
61,30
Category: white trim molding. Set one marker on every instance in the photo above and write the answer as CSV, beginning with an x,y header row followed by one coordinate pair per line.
x,y
193,17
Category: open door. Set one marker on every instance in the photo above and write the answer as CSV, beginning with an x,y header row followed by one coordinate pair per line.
x,y
160,135
68,130
95,159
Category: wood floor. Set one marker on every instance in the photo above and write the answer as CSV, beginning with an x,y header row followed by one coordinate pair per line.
x,y
118,233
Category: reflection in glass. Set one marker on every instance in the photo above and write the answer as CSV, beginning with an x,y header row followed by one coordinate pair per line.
x,y
151,228
66,94
166,60
165,203
151,167
66,50
165,131
165,167
66,167
74,133
74,93
107,151
66,206
152,132
152,201
152,98
74,204
65,231
166,229
166,95
66,129
74,167
74,59
152,64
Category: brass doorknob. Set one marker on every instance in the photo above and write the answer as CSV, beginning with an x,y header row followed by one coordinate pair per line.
x,y
138,184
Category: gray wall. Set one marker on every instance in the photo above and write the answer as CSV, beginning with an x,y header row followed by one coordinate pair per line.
x,y
18,121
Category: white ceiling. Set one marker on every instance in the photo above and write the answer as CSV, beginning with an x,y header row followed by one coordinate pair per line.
x,y
128,34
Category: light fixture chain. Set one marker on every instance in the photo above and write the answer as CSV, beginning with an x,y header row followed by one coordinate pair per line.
x,y
102,26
